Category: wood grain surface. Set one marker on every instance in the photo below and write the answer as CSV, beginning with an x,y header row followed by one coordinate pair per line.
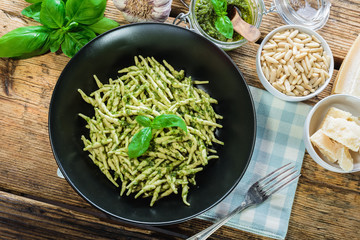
x,y
36,204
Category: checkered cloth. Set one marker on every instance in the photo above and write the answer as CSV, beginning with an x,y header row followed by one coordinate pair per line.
x,y
278,141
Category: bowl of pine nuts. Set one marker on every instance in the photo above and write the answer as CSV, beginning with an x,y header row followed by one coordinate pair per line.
x,y
294,63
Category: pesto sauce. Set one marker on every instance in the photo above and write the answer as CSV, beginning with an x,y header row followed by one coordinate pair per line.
x,y
206,16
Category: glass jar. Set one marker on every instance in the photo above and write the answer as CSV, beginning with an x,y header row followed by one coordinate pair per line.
x,y
310,13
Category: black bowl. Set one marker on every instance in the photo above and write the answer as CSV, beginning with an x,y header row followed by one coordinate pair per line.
x,y
183,49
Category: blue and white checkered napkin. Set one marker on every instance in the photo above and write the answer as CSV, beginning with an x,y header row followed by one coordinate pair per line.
x,y
278,141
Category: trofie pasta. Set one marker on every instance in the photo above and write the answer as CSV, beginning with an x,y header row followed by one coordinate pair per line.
x,y
174,157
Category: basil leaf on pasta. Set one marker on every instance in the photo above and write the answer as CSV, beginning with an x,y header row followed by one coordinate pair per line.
x,y
140,143
168,120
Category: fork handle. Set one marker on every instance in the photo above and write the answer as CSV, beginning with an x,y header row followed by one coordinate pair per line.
x,y
204,234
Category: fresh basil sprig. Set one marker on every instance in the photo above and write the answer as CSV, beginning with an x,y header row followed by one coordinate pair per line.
x,y
222,23
141,140
68,24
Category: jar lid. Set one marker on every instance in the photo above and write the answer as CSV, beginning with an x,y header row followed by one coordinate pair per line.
x,y
309,13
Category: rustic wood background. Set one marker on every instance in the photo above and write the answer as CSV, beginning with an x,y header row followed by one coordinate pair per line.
x,y
36,204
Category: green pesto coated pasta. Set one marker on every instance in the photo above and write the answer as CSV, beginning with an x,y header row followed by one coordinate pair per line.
x,y
173,158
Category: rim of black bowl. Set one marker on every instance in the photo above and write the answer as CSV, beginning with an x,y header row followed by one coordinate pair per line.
x,y
136,222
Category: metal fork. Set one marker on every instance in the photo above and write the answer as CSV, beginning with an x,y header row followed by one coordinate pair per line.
x,y
257,193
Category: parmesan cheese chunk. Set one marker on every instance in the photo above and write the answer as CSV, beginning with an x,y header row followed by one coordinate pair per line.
x,y
345,159
326,146
336,113
343,131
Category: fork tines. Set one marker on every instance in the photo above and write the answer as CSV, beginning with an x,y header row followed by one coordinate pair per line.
x,y
278,179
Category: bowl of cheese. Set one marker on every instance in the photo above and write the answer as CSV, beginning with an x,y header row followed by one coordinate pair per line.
x,y
332,133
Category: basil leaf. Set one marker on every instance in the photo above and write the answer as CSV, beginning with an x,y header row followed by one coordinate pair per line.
x,y
168,120
220,7
140,142
24,42
33,1
224,26
103,25
32,11
85,11
43,49
56,39
74,41
52,13
143,121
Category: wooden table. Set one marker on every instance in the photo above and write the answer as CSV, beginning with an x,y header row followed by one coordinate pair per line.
x,y
36,204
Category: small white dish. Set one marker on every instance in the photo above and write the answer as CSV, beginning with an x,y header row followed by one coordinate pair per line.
x,y
267,85
315,117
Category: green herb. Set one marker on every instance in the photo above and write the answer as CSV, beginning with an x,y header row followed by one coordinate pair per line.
x,y
68,24
143,121
86,11
222,23
103,25
168,120
141,140
74,41
56,38
33,11
52,13
24,41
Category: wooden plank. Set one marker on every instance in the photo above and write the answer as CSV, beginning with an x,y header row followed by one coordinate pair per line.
x,y
325,210
26,218
21,217
25,150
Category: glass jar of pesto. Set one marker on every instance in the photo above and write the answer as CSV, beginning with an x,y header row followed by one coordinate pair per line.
x,y
205,16
200,18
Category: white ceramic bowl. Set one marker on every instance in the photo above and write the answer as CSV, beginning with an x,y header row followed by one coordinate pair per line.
x,y
272,89
315,117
